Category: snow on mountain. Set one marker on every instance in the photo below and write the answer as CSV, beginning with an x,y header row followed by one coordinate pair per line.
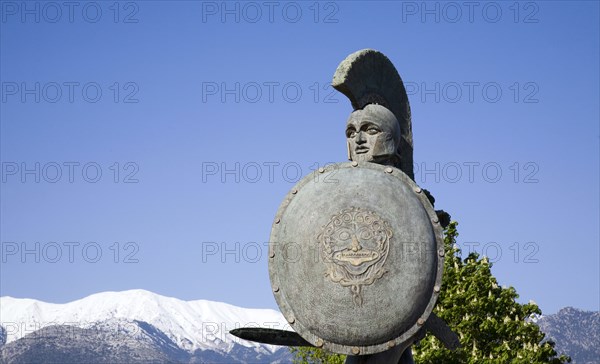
x,y
192,325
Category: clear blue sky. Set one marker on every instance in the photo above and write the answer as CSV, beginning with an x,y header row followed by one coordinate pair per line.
x,y
207,113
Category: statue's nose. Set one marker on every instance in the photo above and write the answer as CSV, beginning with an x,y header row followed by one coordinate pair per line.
x,y
355,244
360,138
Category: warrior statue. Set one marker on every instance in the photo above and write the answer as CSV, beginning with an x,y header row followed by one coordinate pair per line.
x,y
353,285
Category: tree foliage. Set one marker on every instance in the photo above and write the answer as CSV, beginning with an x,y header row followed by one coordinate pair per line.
x,y
493,327
312,355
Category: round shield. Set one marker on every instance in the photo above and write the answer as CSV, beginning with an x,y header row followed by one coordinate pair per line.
x,y
356,258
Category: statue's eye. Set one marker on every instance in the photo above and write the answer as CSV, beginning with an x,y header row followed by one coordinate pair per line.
x,y
350,133
372,130
344,235
365,234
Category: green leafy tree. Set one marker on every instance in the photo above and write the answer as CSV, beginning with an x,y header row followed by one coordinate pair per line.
x,y
315,356
493,327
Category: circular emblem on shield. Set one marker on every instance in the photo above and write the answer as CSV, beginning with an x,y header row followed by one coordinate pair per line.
x,y
355,246
354,258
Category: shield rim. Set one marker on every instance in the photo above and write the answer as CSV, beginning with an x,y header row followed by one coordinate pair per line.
x,y
404,339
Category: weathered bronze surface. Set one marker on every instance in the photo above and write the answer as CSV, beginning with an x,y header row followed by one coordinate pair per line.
x,y
354,258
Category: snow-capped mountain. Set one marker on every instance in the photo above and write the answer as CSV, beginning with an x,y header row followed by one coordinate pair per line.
x,y
142,325
138,326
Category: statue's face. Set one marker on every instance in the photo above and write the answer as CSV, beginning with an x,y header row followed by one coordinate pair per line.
x,y
373,135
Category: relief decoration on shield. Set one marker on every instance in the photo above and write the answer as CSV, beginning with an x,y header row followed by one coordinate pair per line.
x,y
355,245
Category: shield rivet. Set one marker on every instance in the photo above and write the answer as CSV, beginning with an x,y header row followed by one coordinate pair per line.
x,y
391,344
389,170
275,289
436,289
321,170
435,220
319,343
355,350
354,164
441,252
420,322
418,189
291,320
272,255
294,191
277,220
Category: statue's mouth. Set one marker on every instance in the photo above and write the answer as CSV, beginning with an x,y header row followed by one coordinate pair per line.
x,y
356,262
361,150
